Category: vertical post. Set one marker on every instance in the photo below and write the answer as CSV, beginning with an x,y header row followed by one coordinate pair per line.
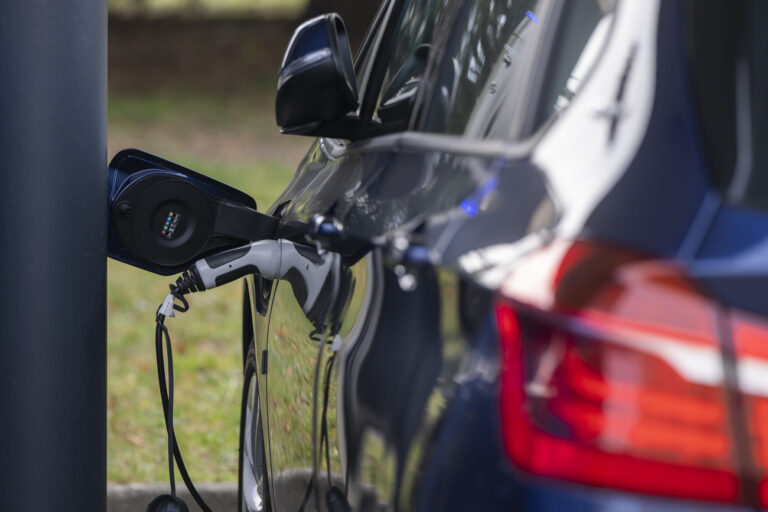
x,y
52,255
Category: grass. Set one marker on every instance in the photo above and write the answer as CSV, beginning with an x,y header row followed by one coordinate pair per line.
x,y
207,363
233,140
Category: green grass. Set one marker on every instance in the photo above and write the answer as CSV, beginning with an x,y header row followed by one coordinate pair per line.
x,y
234,141
207,362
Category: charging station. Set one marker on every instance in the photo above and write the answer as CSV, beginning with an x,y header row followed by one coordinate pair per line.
x,y
53,225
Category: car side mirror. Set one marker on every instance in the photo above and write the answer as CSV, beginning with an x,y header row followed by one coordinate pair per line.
x,y
317,87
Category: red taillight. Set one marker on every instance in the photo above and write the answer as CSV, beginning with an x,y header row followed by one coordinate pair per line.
x,y
612,375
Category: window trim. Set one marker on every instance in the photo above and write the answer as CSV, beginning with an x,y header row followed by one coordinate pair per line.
x,y
372,42
533,80
378,69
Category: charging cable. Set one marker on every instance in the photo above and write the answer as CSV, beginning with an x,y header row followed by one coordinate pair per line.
x,y
309,274
262,258
171,502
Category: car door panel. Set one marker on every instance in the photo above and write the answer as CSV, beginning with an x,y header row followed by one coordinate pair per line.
x,y
260,292
421,382
300,322
291,395
382,190
399,349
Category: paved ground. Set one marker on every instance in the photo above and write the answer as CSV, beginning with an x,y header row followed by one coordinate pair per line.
x,y
291,483
135,497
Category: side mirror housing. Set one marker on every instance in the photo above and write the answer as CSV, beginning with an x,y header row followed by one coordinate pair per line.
x,y
317,87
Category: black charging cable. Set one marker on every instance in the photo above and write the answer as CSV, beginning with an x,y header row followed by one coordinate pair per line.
x,y
334,498
324,421
190,282
170,502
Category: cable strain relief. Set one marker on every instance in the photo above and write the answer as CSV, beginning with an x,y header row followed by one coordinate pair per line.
x,y
189,282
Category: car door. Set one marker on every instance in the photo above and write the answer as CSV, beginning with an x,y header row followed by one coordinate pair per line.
x,y
386,343
293,354
296,359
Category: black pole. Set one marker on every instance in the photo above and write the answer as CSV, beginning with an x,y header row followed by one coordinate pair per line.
x,y
52,259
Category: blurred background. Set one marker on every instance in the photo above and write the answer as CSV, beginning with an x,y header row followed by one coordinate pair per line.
x,y
193,81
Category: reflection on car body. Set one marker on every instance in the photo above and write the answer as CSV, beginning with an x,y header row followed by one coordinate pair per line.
x,y
536,306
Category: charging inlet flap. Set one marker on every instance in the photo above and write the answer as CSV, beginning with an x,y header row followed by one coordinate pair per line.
x,y
163,217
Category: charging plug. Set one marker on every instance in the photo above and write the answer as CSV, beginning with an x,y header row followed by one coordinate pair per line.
x,y
308,272
262,258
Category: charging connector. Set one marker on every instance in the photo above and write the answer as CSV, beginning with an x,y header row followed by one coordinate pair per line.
x,y
262,258
312,276
300,265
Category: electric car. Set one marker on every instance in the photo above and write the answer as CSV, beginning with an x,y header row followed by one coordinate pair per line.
x,y
535,245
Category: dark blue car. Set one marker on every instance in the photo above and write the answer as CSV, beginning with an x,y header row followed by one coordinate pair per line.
x,y
540,263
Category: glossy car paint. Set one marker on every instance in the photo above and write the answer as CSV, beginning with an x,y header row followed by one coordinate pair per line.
x,y
414,399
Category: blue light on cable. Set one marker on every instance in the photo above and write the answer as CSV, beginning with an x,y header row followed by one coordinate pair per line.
x,y
532,16
471,205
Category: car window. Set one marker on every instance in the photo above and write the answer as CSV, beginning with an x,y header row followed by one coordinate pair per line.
x,y
410,47
482,69
714,49
730,72
756,189
482,58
